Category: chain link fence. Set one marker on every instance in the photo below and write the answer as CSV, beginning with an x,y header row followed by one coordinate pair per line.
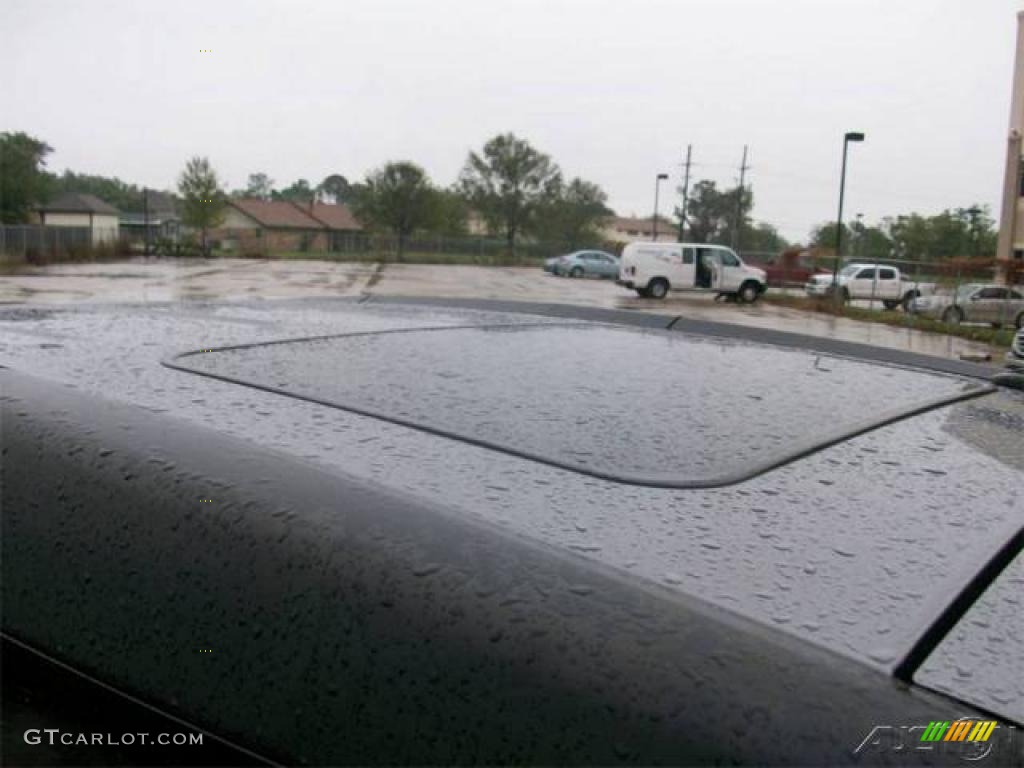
x,y
38,244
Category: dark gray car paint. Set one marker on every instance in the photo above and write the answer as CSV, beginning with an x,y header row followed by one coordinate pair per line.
x,y
350,624
552,508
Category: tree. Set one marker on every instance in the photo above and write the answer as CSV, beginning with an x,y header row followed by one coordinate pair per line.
x,y
711,213
120,194
259,186
298,192
336,188
507,183
23,183
573,213
204,201
952,233
398,197
764,238
981,230
452,213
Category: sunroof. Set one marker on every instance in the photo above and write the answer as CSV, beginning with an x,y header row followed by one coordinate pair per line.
x,y
642,407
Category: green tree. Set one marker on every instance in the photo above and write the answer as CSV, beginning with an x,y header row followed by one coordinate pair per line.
x,y
824,236
911,235
298,192
336,188
23,182
572,213
203,200
507,183
452,213
764,238
259,186
120,194
400,198
711,212
981,230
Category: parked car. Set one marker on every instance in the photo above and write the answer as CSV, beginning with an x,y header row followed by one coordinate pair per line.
x,y
586,264
394,532
654,269
1015,357
996,305
791,268
879,282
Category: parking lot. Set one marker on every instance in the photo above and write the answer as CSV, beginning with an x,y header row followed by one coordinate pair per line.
x,y
161,280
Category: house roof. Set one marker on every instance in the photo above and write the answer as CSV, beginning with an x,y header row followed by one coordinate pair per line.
x,y
72,202
338,216
633,222
277,214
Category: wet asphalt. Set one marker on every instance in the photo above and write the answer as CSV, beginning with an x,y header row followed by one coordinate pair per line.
x,y
153,280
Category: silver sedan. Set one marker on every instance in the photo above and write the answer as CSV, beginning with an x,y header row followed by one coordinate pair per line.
x,y
995,305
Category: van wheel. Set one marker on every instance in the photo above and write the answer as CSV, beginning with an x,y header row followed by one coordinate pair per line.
x,y
749,292
657,288
953,316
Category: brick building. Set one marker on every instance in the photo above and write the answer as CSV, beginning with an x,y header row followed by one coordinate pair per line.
x,y
264,226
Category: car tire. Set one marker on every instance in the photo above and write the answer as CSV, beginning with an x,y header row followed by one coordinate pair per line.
x,y
576,272
749,292
908,301
642,293
953,316
657,288
890,305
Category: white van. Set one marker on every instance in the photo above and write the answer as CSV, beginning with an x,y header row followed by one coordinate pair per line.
x,y
654,269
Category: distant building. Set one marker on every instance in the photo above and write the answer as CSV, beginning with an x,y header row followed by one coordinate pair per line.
x,y
630,229
1011,219
82,211
260,226
163,220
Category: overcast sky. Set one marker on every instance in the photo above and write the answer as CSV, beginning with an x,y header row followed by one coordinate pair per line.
x,y
613,91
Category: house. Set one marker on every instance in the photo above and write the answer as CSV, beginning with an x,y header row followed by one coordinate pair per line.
x,y
261,226
81,211
629,229
339,220
161,217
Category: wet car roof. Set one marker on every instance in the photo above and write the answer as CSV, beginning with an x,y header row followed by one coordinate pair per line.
x,y
635,406
982,660
855,547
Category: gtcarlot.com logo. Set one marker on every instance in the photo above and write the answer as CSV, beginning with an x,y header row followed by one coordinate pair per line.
x,y
56,737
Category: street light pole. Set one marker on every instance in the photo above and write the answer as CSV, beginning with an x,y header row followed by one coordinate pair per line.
x,y
657,183
851,136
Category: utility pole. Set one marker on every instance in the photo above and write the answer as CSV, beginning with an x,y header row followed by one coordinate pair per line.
x,y
686,193
739,201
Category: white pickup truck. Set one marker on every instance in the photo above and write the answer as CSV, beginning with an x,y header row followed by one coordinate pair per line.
x,y
878,282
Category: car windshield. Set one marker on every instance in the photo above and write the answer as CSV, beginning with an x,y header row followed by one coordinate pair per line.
x,y
850,270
